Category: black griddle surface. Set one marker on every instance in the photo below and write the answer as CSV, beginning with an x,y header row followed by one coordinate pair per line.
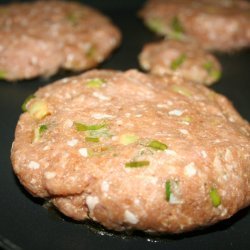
x,y
26,224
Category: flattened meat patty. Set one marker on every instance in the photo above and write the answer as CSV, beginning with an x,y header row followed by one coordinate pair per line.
x,y
222,25
39,38
180,58
134,151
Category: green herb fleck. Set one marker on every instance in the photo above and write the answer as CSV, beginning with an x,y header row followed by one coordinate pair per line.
x,y
155,25
2,74
215,197
137,164
210,68
157,145
93,132
95,83
92,139
73,18
178,62
181,90
84,127
216,74
176,25
168,190
39,131
177,29
102,132
24,105
42,129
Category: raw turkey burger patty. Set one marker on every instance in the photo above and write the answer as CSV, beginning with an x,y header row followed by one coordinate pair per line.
x,y
39,38
222,25
186,60
134,151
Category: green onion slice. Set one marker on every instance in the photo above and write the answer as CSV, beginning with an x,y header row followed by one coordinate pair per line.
x,y
216,74
2,74
84,127
176,25
73,18
92,139
24,105
157,145
39,131
42,129
178,62
210,68
103,132
168,190
38,109
177,30
95,83
137,164
93,132
215,197
155,25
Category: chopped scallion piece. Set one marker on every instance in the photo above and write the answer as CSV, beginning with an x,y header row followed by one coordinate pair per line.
x,y
155,25
73,18
177,29
168,190
176,25
137,164
215,197
24,105
157,145
2,74
95,83
42,129
92,139
84,127
127,139
38,109
210,68
216,74
39,131
172,192
103,132
178,62
93,132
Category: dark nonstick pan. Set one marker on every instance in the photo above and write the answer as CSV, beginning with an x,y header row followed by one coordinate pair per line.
x,y
26,224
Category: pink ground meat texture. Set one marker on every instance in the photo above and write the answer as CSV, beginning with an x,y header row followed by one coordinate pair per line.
x,y
41,37
217,25
134,151
182,59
